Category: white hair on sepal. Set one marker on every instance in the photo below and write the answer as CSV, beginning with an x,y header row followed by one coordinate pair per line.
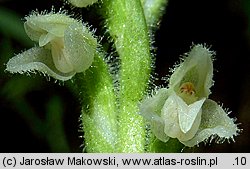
x,y
36,12
215,125
216,139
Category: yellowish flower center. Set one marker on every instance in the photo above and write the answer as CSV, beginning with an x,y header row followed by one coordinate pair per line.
x,y
187,92
187,88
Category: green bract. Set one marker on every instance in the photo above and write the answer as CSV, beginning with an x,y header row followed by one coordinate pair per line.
x,y
183,110
65,47
82,3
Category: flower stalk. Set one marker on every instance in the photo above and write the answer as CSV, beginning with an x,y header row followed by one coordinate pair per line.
x,y
98,115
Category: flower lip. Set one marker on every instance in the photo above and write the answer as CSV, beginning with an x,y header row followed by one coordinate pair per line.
x,y
181,120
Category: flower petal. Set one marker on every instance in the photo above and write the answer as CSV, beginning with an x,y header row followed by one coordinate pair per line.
x,y
36,59
45,39
196,69
214,122
188,117
60,57
169,114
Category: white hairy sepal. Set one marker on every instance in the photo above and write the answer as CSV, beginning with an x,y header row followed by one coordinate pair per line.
x,y
36,59
150,109
82,3
196,68
72,46
215,124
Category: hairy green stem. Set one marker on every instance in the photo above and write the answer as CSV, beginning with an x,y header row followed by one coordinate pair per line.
x,y
127,26
99,110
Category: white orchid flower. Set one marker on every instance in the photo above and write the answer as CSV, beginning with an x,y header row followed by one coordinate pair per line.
x,y
183,110
65,47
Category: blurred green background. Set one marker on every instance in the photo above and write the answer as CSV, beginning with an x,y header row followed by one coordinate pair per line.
x,y
38,115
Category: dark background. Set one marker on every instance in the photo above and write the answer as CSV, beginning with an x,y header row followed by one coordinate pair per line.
x,y
223,25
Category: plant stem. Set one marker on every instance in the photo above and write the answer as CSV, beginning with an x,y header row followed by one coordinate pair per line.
x,y
99,110
127,26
